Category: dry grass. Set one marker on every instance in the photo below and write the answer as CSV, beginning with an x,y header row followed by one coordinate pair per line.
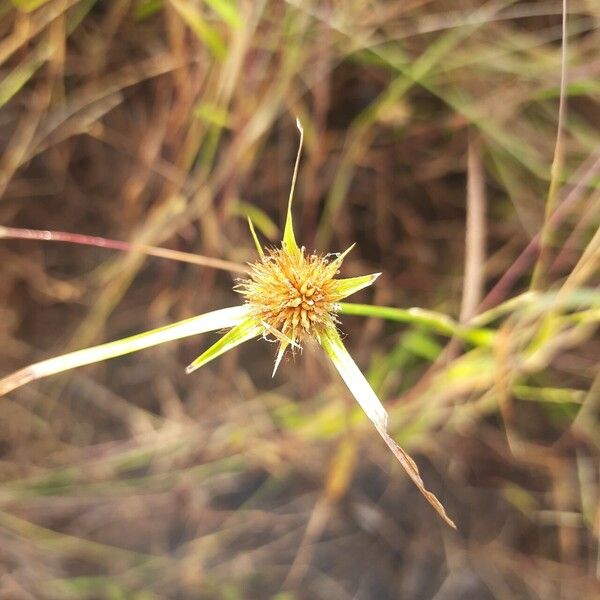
x,y
431,130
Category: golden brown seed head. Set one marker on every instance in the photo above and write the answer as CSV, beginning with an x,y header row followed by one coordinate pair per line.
x,y
294,294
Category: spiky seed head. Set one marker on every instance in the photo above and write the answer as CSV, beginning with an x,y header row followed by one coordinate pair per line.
x,y
293,294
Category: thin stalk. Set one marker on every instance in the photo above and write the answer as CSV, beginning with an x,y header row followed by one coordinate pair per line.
x,y
439,322
474,277
557,163
100,242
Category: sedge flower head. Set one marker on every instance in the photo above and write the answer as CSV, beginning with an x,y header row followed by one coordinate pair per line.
x,y
295,295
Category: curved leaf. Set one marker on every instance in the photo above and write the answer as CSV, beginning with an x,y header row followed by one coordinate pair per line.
x,y
370,403
212,321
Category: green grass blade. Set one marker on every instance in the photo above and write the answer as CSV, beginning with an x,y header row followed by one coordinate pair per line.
x,y
289,239
243,332
255,238
144,9
354,379
548,394
20,75
370,403
351,285
228,11
28,5
213,114
212,321
260,218
196,22
430,319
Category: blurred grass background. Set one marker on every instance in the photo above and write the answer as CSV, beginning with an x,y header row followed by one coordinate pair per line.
x,y
430,134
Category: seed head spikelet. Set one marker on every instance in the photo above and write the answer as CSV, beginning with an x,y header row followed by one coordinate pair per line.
x,y
296,294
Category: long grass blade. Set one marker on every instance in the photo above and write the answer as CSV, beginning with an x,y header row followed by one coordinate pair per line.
x,y
242,332
438,322
370,403
212,321
289,238
354,379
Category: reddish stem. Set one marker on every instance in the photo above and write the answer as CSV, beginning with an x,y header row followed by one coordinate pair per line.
x,y
92,240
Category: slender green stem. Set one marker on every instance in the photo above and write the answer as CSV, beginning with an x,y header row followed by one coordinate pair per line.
x,y
438,322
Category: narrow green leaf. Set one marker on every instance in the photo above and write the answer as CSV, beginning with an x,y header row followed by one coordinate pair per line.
x,y
143,9
228,11
214,114
420,342
289,239
21,74
354,379
255,238
260,218
370,403
244,331
548,394
351,285
212,321
78,13
28,5
195,21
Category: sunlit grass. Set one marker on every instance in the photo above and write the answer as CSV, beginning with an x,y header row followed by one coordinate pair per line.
x,y
167,124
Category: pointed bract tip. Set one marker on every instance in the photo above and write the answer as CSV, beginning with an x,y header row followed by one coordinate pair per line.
x,y
289,238
255,238
342,256
299,125
191,368
276,366
346,252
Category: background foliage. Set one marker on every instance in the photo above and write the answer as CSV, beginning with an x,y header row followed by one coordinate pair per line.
x,y
168,123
